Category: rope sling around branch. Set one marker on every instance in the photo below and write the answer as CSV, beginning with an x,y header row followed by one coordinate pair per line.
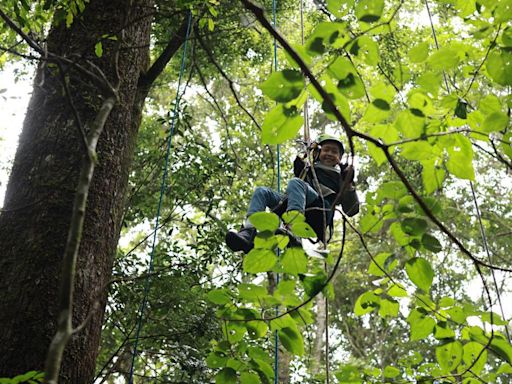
x,y
163,186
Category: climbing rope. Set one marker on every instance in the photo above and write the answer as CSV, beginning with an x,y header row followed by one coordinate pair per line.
x,y
278,154
475,200
307,140
163,186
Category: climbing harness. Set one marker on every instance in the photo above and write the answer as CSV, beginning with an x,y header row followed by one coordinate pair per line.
x,y
163,187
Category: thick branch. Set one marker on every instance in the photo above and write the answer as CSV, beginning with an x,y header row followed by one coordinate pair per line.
x,y
148,78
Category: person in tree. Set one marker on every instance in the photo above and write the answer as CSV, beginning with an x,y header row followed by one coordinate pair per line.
x,y
313,192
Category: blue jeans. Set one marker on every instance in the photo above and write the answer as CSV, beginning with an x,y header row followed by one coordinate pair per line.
x,y
300,195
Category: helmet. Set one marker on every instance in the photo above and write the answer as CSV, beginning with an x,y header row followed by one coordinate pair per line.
x,y
324,137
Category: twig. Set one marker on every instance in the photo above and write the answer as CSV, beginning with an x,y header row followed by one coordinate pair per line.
x,y
227,78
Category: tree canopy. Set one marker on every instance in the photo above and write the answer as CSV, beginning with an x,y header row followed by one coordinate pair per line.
x,y
413,289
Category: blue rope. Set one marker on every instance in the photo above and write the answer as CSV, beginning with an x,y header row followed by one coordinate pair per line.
x,y
276,338
162,191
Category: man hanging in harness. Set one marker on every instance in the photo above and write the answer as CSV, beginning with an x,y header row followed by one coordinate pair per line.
x,y
312,192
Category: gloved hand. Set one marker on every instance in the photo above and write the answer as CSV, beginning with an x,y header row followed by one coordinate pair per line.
x,y
347,172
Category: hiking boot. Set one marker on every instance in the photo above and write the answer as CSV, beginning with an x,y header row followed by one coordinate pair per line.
x,y
241,241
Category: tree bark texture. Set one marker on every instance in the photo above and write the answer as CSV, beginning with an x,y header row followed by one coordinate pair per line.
x,y
39,198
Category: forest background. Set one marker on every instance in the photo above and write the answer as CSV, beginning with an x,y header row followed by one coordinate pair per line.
x,y
413,290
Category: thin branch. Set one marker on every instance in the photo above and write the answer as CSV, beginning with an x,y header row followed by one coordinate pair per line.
x,y
227,78
78,120
64,322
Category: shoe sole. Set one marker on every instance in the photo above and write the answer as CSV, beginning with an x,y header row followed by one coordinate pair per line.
x,y
236,244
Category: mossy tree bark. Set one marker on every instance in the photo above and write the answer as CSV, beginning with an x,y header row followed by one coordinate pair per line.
x,y
39,198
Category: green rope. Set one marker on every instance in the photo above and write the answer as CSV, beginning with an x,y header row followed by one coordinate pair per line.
x,y
162,191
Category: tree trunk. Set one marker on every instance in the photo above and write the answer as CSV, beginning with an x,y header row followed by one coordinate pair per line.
x,y
39,198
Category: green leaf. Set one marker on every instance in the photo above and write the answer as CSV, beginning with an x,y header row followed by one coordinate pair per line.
x,y
259,260
502,348
442,331
216,359
303,230
445,302
505,368
431,243
351,86
266,240
98,49
499,66
496,121
377,111
421,325
226,376
418,150
449,355
392,190
457,315
314,284
281,124
444,59
460,162
249,378
432,176
365,48
265,221
413,226
256,329
419,53
381,262
341,67
420,273
234,332
303,54
366,303
219,296
397,290
339,7
506,37
503,11
388,308
292,340
251,292
327,34
282,322
496,319
386,133
370,222
471,351
349,374
292,217
335,96
283,86
410,124
391,372
294,261
369,11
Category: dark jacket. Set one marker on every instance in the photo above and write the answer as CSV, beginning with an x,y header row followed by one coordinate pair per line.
x,y
330,182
